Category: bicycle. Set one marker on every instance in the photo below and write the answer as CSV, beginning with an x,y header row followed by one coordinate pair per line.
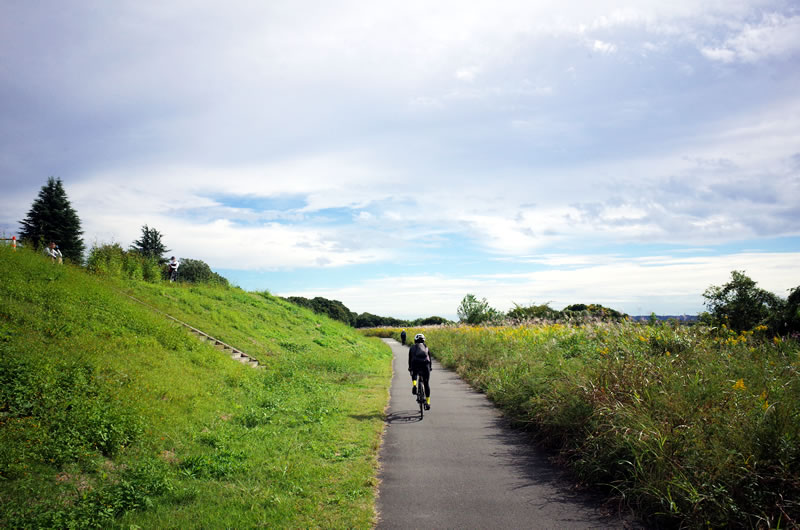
x,y
421,396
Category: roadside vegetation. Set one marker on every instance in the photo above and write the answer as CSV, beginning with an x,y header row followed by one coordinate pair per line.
x,y
113,416
691,426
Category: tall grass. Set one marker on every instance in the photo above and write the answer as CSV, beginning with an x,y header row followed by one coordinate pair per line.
x,y
112,416
691,427
112,260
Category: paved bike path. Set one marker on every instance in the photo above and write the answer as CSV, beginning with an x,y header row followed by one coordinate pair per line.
x,y
463,467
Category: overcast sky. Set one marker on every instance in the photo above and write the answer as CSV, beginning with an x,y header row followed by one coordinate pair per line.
x,y
399,155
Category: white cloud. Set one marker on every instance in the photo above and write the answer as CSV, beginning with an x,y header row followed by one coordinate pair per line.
x,y
776,36
660,284
604,47
719,54
468,73
732,183
268,247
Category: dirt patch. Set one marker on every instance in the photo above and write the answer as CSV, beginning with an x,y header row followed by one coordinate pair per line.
x,y
168,455
80,482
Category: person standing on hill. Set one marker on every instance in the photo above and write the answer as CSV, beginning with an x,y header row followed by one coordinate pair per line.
x,y
55,254
419,366
173,269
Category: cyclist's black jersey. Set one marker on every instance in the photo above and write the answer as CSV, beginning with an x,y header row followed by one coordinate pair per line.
x,y
418,355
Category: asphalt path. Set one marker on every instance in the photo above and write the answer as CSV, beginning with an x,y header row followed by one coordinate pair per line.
x,y
462,466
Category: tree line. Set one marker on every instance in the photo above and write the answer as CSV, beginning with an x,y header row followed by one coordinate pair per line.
x,y
739,305
338,311
53,219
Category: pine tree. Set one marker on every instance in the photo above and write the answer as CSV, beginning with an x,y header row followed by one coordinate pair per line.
x,y
150,245
52,218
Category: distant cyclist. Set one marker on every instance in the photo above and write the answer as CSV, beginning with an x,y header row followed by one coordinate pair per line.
x,y
419,366
403,337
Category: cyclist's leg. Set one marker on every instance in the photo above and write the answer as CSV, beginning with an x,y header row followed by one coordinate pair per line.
x,y
414,377
425,375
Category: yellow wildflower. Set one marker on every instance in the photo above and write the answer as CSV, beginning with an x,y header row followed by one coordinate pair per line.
x,y
739,385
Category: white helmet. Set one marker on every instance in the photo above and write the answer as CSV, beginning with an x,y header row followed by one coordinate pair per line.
x,y
419,337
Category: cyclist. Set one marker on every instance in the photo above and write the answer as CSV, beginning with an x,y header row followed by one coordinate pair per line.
x,y
419,366
403,337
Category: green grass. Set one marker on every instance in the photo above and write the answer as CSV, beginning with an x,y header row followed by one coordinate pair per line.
x,y
691,427
113,416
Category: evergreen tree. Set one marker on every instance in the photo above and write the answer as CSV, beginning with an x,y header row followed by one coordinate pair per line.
x,y
52,218
150,245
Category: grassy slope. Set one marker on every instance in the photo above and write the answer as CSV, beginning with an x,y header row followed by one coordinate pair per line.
x,y
111,414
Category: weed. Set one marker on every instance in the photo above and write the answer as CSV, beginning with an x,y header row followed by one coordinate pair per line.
x,y
218,464
691,426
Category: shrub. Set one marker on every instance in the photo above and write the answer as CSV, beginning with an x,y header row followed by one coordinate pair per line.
x,y
332,308
106,259
543,311
112,260
474,311
741,305
431,321
198,271
788,321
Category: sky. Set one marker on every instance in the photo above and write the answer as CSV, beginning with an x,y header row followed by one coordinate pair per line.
x,y
396,156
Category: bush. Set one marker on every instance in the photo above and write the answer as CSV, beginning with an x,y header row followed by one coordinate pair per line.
x,y
593,311
112,260
368,320
788,321
198,271
474,311
740,305
106,260
431,321
543,311
332,308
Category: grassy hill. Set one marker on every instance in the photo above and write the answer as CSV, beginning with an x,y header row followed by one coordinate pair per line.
x,y
113,415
